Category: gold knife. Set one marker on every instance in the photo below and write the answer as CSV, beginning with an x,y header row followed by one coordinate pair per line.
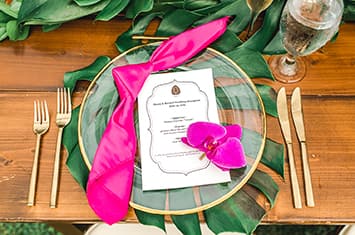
x,y
286,131
297,115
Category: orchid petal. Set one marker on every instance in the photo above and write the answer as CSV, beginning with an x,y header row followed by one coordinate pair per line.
x,y
198,132
234,131
229,155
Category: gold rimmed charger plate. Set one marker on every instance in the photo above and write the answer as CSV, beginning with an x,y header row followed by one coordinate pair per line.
x,y
238,101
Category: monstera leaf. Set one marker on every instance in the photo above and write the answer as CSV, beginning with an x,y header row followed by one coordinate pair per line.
x,y
244,213
75,162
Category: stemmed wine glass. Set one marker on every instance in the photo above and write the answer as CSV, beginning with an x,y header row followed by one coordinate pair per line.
x,y
305,26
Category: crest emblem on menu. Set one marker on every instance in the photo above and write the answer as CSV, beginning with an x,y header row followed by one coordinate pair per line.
x,y
175,90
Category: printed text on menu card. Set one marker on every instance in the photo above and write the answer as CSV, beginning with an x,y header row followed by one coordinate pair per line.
x,y
167,104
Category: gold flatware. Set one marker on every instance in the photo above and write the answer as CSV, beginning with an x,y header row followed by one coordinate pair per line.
x,y
143,37
297,115
40,126
62,119
286,131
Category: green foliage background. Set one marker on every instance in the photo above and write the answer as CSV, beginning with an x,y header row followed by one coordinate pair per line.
x,y
17,16
27,229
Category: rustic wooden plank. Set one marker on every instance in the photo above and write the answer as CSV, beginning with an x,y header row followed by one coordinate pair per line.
x,y
39,62
330,136
330,130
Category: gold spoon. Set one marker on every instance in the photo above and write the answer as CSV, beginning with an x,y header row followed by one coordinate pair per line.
x,y
256,7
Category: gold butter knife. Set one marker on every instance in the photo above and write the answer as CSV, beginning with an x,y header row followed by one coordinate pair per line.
x,y
297,115
286,131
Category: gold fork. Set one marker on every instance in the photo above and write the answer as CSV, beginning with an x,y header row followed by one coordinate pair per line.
x,y
63,118
40,126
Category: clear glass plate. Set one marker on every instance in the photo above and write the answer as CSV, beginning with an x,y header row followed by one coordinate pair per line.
x,y
238,102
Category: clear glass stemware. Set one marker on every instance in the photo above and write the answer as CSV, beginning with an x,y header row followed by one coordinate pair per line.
x,y
305,26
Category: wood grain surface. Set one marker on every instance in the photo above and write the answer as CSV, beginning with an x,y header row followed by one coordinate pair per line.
x,y
34,68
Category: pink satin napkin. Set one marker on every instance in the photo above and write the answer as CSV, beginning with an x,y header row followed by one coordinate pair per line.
x,y
110,180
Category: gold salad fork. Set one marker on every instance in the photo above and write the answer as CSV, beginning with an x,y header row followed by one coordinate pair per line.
x,y
40,126
63,118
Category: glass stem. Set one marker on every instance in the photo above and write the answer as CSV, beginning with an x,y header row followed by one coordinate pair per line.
x,y
288,65
290,59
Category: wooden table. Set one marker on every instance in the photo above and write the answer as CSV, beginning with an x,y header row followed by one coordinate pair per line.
x,y
34,68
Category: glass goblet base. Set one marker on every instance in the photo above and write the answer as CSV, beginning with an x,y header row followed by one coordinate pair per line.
x,y
287,69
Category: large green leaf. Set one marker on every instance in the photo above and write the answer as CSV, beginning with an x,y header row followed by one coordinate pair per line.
x,y
136,7
28,9
11,9
3,32
210,9
125,41
153,199
250,139
273,156
188,224
187,4
101,121
187,196
170,26
104,114
54,11
239,213
238,9
198,4
243,57
75,162
265,184
88,73
50,27
235,97
275,46
16,32
4,18
112,9
86,2
268,95
227,42
150,219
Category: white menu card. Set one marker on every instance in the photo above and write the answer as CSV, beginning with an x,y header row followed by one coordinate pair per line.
x,y
167,104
